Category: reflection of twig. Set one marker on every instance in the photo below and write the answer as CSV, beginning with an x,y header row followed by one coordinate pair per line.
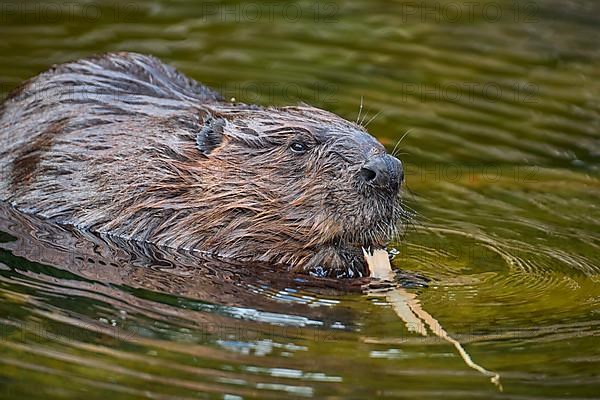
x,y
407,307
411,301
401,305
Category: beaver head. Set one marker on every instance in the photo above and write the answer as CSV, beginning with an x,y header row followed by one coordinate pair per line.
x,y
297,185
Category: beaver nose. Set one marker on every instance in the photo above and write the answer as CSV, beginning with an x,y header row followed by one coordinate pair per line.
x,y
384,172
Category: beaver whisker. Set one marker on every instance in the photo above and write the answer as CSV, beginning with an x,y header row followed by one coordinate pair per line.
x,y
372,118
361,122
360,107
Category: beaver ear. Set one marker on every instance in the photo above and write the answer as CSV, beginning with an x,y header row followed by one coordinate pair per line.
x,y
210,136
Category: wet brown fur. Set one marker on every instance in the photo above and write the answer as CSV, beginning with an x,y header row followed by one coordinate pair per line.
x,y
124,145
28,159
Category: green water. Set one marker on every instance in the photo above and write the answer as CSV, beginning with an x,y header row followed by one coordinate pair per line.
x,y
501,102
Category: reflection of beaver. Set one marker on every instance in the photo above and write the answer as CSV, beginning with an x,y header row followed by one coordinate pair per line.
x,y
124,145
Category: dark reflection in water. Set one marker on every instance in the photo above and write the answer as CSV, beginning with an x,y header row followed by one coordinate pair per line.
x,y
137,265
84,293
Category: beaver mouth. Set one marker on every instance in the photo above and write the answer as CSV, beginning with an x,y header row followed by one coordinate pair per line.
x,y
369,239
375,235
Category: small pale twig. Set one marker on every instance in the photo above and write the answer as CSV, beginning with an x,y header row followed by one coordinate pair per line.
x,y
407,307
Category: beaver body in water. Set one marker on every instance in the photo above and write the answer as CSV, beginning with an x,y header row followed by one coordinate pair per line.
x,y
124,145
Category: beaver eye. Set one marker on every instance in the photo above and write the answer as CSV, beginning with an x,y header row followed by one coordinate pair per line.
x,y
298,147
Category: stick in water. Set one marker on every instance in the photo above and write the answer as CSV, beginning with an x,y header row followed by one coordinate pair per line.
x,y
407,307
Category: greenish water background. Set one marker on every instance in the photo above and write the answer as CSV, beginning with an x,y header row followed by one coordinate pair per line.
x,y
501,102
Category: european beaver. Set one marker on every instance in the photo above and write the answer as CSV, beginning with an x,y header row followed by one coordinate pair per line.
x,y
124,145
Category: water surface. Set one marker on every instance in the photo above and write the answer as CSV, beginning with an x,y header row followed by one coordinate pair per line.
x,y
501,103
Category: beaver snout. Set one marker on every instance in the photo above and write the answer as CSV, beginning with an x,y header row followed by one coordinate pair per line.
x,y
384,172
